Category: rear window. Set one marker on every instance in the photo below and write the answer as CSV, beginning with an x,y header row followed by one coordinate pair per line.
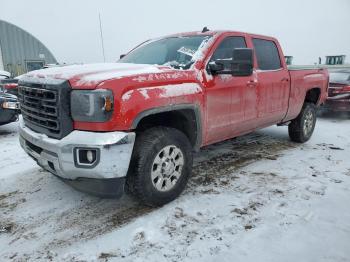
x,y
339,77
267,54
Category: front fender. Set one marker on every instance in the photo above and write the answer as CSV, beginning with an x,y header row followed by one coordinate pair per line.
x,y
141,101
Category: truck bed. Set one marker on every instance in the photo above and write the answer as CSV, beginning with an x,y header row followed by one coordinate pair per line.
x,y
304,78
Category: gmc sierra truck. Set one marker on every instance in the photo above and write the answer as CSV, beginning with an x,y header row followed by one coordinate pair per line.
x,y
134,124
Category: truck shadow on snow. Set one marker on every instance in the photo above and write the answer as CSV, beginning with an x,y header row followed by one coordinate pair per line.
x,y
74,216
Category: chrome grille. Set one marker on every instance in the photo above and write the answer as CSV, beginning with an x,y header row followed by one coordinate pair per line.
x,y
45,105
40,107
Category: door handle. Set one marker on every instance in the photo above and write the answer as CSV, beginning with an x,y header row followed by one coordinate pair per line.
x,y
285,79
252,83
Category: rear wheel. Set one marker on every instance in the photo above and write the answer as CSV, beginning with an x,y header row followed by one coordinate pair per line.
x,y
160,166
301,128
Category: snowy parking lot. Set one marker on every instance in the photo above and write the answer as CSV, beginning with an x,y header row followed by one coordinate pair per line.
x,y
259,197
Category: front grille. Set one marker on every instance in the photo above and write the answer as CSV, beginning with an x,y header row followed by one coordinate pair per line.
x,y
45,108
39,107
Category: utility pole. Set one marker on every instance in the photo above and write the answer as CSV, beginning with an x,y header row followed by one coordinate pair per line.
x,y
103,47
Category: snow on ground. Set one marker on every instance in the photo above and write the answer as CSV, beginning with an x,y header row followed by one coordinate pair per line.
x,y
255,198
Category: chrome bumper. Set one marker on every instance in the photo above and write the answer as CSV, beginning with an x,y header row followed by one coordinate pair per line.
x,y
58,157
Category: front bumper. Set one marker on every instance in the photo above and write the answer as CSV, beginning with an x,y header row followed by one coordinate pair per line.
x,y
59,158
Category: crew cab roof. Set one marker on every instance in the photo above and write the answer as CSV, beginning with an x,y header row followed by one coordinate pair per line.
x,y
219,32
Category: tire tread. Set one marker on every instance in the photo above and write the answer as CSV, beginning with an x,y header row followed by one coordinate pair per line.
x,y
295,128
144,145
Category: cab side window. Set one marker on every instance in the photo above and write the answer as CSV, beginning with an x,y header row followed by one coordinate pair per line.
x,y
225,50
267,54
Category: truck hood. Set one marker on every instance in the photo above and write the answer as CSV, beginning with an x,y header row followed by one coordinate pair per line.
x,y
90,75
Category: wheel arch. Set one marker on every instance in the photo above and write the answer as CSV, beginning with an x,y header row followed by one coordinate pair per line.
x,y
184,117
313,95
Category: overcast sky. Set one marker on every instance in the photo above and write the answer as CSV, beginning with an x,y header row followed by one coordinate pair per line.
x,y
70,29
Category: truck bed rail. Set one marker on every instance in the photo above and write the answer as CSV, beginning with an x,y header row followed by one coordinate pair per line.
x,y
310,67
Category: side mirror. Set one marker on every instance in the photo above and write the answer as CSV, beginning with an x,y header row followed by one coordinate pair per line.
x,y
121,56
215,67
242,62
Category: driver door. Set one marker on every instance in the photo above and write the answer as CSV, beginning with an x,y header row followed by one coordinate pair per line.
x,y
225,95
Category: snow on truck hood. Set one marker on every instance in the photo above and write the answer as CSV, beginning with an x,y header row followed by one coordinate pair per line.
x,y
93,74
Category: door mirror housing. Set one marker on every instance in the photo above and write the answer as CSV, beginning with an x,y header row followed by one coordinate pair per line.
x,y
121,56
242,62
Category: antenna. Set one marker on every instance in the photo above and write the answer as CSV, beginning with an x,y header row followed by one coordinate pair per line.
x,y
103,47
205,29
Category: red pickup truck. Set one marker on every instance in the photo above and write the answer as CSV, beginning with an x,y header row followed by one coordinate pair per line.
x,y
135,123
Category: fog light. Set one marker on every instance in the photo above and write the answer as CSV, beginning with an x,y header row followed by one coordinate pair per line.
x,y
86,157
90,155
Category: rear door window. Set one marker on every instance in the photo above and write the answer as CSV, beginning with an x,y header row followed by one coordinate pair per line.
x,y
267,54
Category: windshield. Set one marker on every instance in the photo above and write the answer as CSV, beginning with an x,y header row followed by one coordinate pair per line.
x,y
177,52
339,77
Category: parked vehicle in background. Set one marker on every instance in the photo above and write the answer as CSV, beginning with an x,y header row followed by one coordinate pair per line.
x,y
136,123
289,59
339,91
4,74
335,59
10,86
9,108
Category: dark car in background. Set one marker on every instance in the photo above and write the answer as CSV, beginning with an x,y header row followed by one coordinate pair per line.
x,y
9,108
339,91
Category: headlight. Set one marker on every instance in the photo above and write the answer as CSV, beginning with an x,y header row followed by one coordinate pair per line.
x,y
91,105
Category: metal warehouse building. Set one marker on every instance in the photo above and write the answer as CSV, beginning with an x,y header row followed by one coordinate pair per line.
x,y
21,52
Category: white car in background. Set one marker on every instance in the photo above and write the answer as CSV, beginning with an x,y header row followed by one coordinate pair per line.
x,y
4,74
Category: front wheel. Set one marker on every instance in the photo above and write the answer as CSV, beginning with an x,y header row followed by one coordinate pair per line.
x,y
301,128
160,167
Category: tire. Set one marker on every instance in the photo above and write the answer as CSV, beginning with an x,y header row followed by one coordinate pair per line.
x,y
160,166
302,127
